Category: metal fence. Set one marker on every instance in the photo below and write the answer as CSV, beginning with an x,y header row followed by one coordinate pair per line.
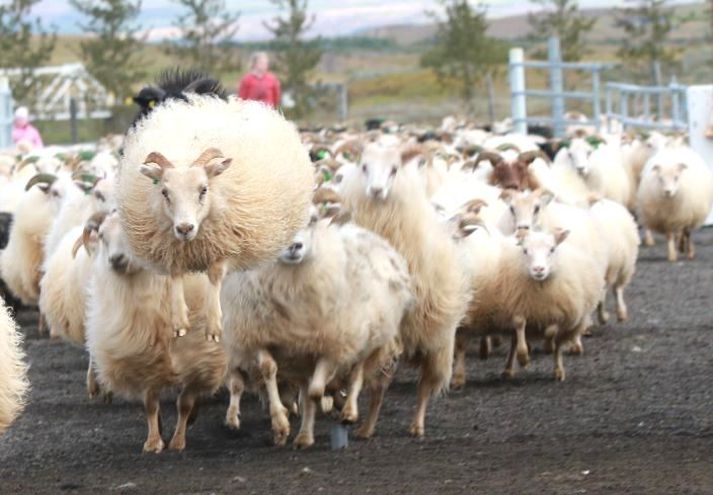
x,y
556,92
632,106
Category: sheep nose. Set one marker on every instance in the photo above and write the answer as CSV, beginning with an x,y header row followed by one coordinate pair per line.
x,y
538,269
296,246
184,228
523,227
117,261
376,191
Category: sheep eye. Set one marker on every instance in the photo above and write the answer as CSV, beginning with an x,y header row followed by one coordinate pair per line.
x,y
393,171
338,179
537,209
552,250
203,192
363,168
164,192
524,250
512,210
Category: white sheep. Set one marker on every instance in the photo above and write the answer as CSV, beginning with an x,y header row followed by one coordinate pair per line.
x,y
545,286
13,370
130,337
205,182
675,196
617,227
326,309
600,165
389,198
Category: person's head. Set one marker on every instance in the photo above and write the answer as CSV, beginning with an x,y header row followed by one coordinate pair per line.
x,y
22,116
259,62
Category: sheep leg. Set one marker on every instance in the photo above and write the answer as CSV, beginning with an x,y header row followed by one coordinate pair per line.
x,y
621,311
436,369
323,374
486,347
602,313
278,412
154,442
549,345
305,437
377,390
509,370
92,385
237,387
577,347
522,351
689,244
350,412
179,308
649,238
559,363
671,242
458,379
184,404
214,327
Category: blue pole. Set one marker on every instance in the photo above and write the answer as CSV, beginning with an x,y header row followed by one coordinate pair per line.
x,y
518,102
6,114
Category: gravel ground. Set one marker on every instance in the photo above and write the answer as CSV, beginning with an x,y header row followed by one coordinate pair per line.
x,y
633,416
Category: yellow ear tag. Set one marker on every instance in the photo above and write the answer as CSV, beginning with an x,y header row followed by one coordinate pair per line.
x,y
128,101
152,103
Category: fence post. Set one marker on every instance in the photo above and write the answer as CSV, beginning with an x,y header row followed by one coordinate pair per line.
x,y
518,101
608,91
6,113
556,85
343,102
597,100
73,119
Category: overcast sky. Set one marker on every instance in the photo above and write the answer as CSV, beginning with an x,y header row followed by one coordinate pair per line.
x,y
334,17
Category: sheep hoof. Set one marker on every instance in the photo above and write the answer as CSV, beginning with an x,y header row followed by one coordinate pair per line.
x,y
180,332
603,317
416,430
327,404
457,382
364,432
523,359
233,421
303,440
576,349
154,445
559,374
622,316
107,397
281,428
178,444
349,417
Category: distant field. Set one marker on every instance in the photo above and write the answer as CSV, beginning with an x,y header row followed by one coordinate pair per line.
x,y
385,79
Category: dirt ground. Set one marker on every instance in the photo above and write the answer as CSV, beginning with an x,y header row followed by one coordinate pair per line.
x,y
634,416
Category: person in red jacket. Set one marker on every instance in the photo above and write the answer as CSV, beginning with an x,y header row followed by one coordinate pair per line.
x,y
260,84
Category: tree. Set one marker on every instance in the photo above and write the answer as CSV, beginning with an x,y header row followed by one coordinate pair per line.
x,y
111,54
207,31
647,27
24,44
562,18
295,57
463,52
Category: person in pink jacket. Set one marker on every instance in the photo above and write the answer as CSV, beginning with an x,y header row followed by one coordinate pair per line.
x,y
23,131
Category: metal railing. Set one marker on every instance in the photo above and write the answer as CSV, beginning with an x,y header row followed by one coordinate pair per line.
x,y
637,99
556,93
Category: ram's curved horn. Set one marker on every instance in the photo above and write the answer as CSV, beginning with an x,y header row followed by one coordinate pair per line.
x,y
41,179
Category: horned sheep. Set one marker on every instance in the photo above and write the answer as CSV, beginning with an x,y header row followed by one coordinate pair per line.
x,y
204,182
13,370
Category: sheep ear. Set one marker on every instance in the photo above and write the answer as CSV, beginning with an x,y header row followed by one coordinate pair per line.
x,y
217,167
560,236
151,170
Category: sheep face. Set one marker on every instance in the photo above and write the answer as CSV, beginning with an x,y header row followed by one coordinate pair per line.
x,y
301,246
114,246
525,207
578,153
668,177
539,250
380,164
185,191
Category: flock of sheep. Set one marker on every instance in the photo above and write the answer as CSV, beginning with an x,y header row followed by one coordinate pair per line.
x,y
217,245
